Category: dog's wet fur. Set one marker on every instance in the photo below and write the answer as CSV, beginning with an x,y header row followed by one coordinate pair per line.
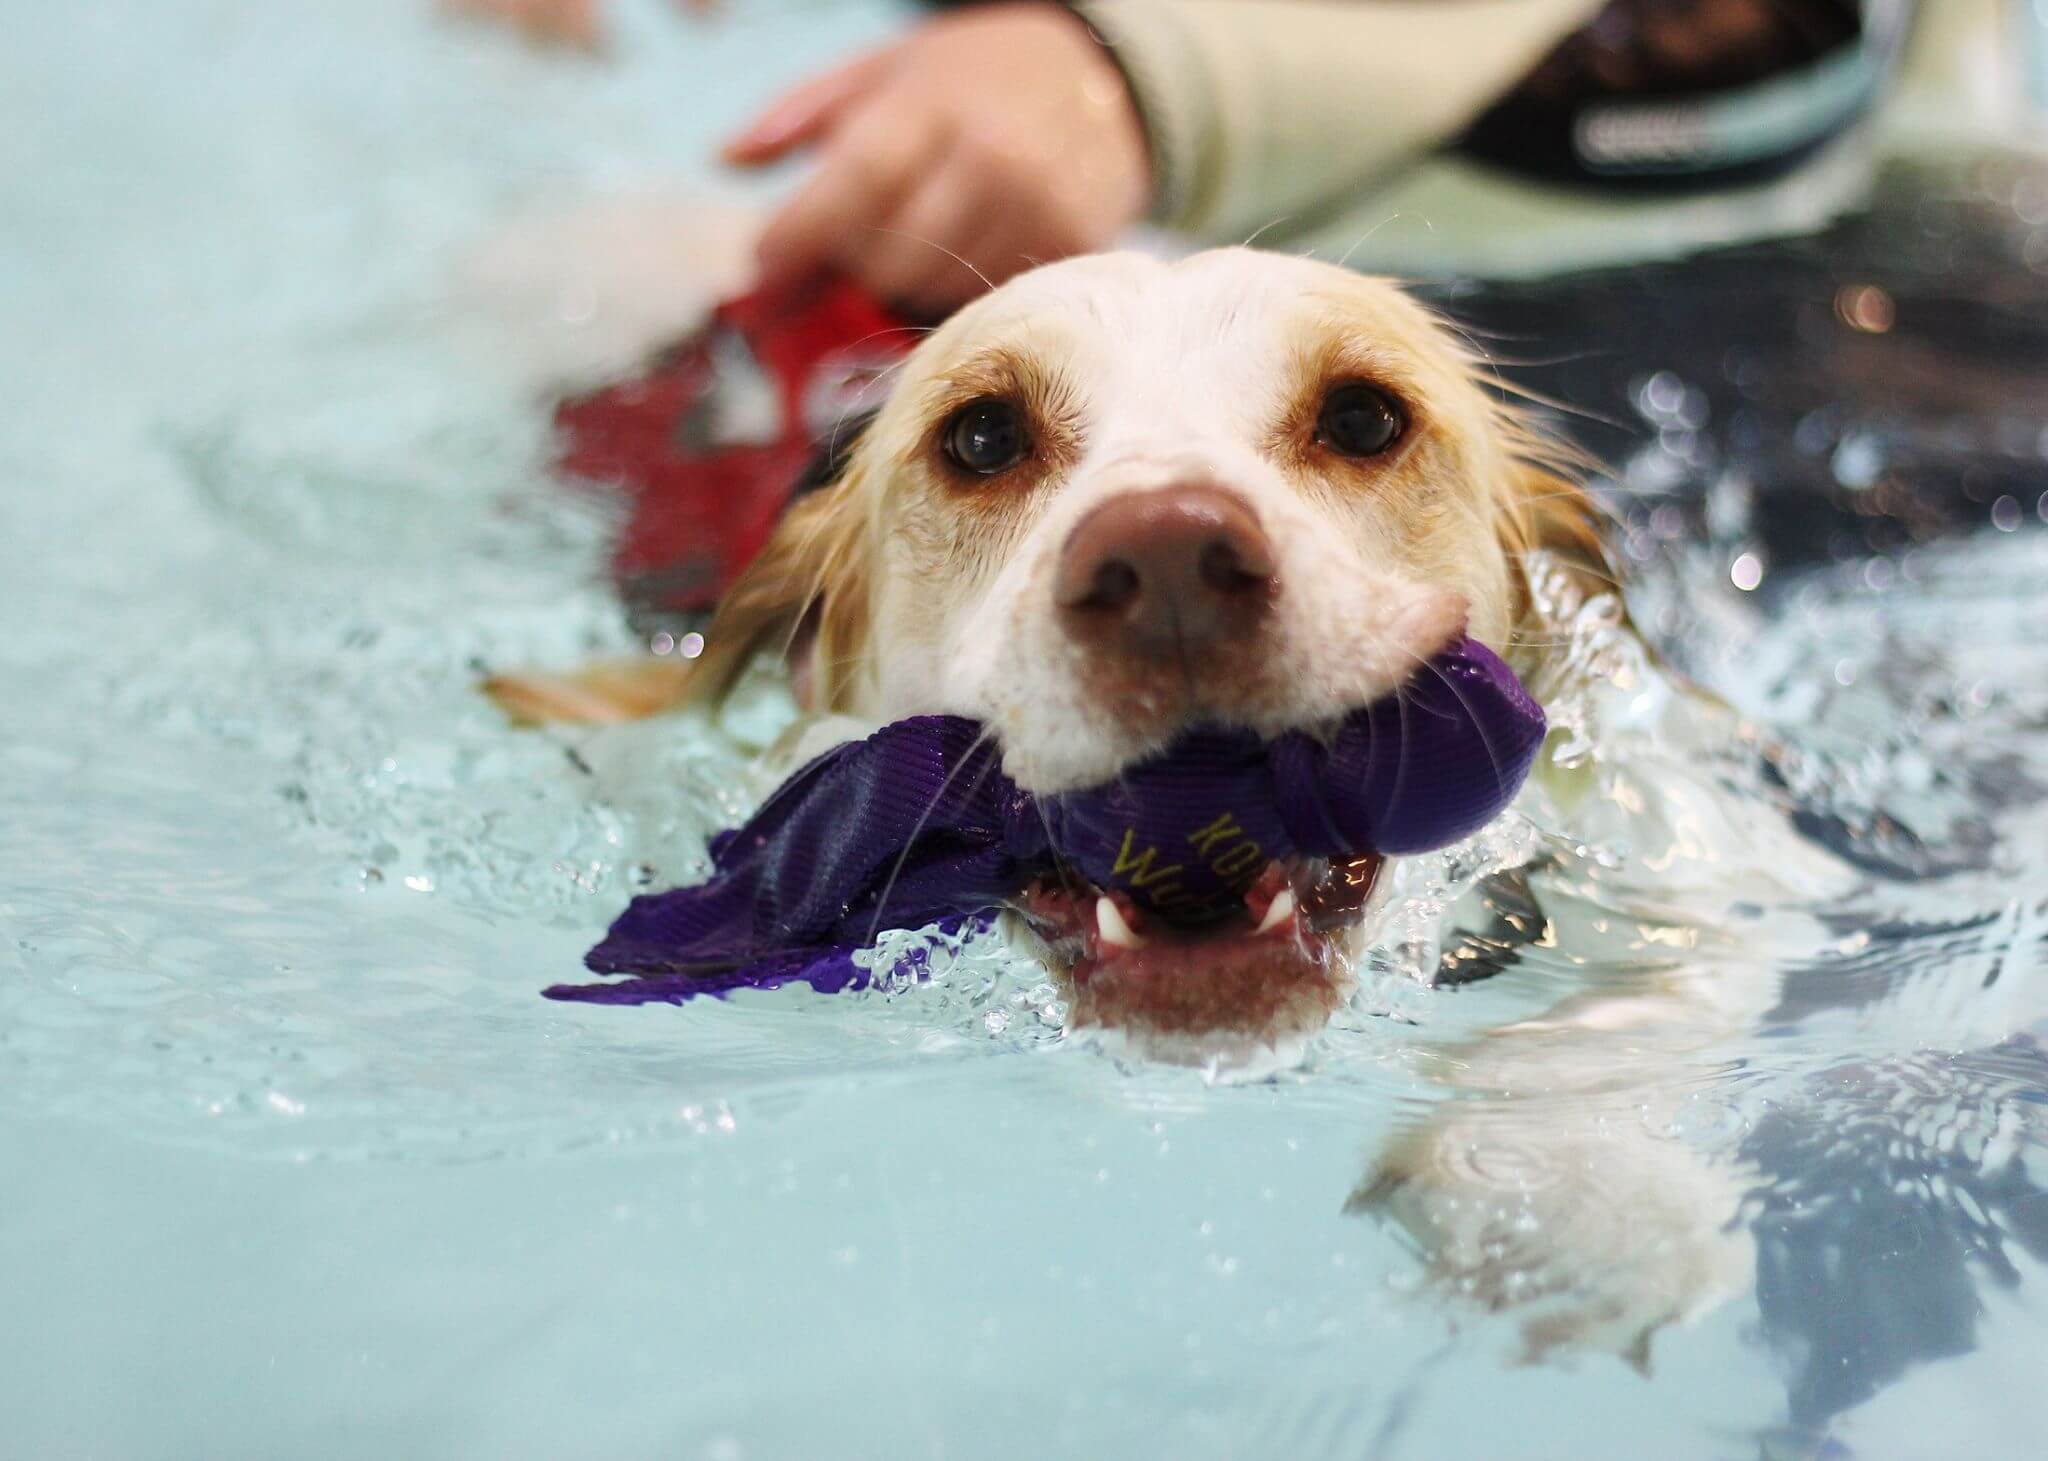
x,y
1238,487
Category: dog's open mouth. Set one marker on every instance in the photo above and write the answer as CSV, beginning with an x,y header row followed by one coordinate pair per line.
x,y
1275,966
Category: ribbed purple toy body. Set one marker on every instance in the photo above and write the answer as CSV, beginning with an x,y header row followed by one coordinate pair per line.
x,y
918,824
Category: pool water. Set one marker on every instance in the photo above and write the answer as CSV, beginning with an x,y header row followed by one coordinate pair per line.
x,y
1712,1121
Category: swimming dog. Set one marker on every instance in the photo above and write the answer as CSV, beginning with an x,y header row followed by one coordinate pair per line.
x,y
1119,497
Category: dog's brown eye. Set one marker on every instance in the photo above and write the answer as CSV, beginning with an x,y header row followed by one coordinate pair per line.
x,y
1358,421
986,437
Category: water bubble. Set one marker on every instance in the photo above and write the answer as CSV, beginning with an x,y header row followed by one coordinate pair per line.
x,y
1731,504
1813,433
1662,396
2005,514
1858,461
1866,308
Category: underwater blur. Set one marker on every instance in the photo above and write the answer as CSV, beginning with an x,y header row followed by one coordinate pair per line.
x,y
1716,1128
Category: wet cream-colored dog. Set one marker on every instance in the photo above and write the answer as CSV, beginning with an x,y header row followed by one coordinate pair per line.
x,y
1119,496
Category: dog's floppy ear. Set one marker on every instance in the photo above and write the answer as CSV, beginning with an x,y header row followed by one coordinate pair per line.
x,y
1547,513
809,589
805,593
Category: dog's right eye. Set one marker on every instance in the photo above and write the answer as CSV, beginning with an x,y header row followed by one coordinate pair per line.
x,y
986,437
1358,421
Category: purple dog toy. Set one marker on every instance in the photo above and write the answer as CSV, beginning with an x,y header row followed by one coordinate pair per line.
x,y
917,824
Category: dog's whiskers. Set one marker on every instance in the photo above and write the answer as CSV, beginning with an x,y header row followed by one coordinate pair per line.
x,y
986,282
1364,238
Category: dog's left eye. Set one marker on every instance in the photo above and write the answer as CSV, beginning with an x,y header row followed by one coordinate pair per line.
x,y
1358,421
986,437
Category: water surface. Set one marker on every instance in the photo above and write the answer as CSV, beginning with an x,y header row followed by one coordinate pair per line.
x,y
296,1161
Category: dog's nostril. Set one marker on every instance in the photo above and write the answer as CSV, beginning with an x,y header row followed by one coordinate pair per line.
x,y
1165,572
1224,568
1116,587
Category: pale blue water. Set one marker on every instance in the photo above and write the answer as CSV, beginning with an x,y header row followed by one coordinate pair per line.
x,y
295,1162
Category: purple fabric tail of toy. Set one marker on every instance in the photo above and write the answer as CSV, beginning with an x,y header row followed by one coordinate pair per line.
x,y
917,824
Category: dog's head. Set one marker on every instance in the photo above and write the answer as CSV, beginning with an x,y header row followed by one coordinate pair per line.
x,y
1120,496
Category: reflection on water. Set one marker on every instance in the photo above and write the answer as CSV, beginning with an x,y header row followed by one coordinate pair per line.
x,y
1832,491
1741,1024
1893,1189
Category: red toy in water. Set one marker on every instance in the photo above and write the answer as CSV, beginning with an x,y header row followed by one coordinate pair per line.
x,y
712,442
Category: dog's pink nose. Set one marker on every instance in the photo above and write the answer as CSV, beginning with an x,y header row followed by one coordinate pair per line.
x,y
1165,573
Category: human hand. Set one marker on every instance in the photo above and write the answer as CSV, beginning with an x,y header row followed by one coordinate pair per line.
x,y
986,141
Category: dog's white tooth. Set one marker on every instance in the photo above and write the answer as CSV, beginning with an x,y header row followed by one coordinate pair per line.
x,y
1277,912
1109,922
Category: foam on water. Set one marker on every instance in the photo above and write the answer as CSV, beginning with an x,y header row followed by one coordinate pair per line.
x,y
1737,1020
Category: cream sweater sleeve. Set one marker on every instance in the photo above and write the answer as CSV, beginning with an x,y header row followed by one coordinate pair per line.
x,y
1262,110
